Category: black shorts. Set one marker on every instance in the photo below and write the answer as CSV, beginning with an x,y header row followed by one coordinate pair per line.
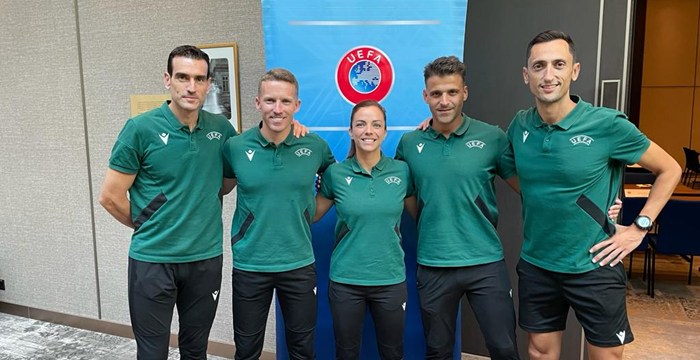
x,y
597,298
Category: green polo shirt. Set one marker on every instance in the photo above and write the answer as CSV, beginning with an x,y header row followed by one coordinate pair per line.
x,y
367,248
175,203
570,173
453,179
275,199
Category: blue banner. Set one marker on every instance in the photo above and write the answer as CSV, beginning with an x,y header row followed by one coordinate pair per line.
x,y
343,52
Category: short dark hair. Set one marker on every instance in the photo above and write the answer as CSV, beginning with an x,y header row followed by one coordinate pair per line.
x,y
358,106
445,66
551,35
280,74
190,52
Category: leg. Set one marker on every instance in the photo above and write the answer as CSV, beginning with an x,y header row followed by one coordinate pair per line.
x,y
490,297
439,301
151,300
252,294
197,300
604,353
545,346
543,310
388,307
348,309
296,292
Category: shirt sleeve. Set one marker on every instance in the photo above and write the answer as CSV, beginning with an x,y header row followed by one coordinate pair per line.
x,y
328,158
326,185
399,149
228,162
506,161
126,154
410,187
627,144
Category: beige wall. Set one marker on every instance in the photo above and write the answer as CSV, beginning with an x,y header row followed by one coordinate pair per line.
x,y
670,106
68,69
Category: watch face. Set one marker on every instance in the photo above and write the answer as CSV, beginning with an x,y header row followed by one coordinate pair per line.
x,y
643,222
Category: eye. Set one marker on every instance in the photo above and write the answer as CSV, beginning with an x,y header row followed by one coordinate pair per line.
x,y
453,92
201,80
377,125
435,94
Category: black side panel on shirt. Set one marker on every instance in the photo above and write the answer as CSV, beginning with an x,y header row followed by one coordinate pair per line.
x,y
150,209
244,227
594,212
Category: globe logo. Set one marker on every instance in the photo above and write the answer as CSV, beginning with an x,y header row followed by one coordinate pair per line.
x,y
365,76
364,72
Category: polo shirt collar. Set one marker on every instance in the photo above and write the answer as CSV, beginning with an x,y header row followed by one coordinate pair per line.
x,y
174,122
289,140
569,119
461,130
357,168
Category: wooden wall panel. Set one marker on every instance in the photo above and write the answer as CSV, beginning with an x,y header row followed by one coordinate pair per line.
x,y
670,43
695,130
665,117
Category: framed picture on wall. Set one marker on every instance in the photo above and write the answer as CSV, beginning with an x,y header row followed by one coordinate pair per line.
x,y
224,97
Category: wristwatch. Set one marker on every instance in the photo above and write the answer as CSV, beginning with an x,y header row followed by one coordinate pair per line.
x,y
643,222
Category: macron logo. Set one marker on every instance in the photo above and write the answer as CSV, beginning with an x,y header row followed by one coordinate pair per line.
x,y
348,180
215,294
621,336
525,135
420,147
249,154
164,138
403,306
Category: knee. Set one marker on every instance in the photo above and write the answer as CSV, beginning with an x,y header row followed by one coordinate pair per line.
x,y
540,352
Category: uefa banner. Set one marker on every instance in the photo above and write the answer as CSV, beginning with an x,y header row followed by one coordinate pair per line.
x,y
343,52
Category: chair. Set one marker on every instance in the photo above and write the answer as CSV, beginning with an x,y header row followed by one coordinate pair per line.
x,y
692,167
677,234
631,206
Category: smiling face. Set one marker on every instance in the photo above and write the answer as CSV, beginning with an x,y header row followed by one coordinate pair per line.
x,y
445,96
550,71
368,129
277,102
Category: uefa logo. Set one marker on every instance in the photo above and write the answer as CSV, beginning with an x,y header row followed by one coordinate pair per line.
x,y
363,73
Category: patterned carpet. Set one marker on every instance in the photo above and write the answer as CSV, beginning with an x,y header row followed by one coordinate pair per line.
x,y
27,339
667,326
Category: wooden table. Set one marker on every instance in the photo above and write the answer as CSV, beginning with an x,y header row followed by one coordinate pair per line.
x,y
681,192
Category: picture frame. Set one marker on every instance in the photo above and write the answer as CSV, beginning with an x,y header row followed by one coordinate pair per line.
x,y
224,94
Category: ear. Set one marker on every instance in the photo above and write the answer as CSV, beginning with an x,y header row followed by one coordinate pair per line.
x,y
257,103
298,105
166,80
526,78
425,96
577,70
466,92
350,133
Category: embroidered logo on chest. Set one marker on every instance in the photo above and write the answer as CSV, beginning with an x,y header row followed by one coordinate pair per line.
x,y
214,135
302,152
525,135
250,154
420,147
475,143
581,139
164,138
348,179
392,180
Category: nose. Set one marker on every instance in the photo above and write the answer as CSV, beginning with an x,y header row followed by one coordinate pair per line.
x,y
278,107
444,98
548,72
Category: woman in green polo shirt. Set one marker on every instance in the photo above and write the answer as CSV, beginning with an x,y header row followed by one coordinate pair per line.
x,y
367,265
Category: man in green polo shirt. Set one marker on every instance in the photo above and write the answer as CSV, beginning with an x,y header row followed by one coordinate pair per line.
x,y
169,161
271,236
569,157
454,164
